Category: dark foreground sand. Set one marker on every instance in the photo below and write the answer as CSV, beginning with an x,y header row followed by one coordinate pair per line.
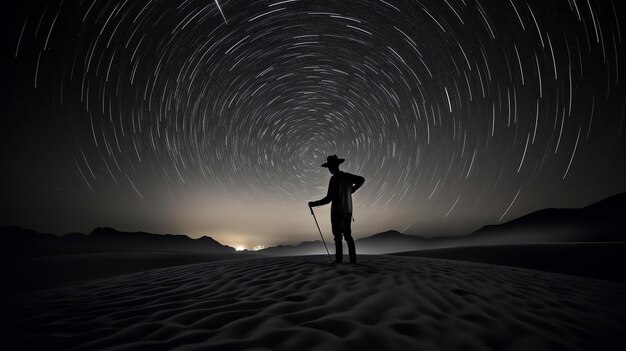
x,y
304,303
51,271
600,260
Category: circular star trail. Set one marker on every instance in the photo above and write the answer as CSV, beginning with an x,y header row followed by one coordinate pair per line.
x,y
209,117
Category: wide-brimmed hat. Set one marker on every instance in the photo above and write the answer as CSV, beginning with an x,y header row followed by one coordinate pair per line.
x,y
333,160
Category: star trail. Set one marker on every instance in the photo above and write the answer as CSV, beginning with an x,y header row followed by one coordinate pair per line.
x,y
213,118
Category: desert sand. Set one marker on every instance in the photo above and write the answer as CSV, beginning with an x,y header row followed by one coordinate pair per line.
x,y
51,271
303,303
600,260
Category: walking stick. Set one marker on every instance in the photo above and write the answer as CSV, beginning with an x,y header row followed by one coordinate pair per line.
x,y
318,228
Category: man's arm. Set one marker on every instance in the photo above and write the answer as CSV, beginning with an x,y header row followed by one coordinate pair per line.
x,y
324,201
357,181
327,199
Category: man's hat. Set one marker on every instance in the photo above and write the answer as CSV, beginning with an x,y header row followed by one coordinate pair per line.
x,y
333,160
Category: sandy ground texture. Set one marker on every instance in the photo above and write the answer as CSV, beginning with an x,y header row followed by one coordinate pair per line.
x,y
45,272
599,260
304,303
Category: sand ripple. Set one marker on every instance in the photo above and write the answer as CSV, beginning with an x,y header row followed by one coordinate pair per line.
x,y
303,303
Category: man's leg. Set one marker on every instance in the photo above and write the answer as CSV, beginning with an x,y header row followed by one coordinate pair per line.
x,y
336,223
347,234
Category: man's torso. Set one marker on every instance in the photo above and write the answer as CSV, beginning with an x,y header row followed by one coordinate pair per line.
x,y
341,188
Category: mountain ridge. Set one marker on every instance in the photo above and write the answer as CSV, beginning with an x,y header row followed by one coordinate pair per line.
x,y
24,241
602,221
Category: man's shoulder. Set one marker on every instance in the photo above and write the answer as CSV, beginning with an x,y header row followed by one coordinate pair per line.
x,y
350,175
342,175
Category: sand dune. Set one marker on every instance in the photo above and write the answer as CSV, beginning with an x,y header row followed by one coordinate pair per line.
x,y
303,303
606,261
33,273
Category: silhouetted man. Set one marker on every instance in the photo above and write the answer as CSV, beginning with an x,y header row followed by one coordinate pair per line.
x,y
340,189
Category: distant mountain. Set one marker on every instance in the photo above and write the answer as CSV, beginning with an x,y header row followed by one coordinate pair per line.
x,y
389,241
305,248
386,242
21,241
604,221
109,237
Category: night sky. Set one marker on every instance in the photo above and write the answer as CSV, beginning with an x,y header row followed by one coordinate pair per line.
x,y
213,117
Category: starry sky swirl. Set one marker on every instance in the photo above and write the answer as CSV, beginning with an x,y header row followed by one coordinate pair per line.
x,y
212,118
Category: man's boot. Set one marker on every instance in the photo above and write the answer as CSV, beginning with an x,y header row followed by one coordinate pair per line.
x,y
351,250
338,251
